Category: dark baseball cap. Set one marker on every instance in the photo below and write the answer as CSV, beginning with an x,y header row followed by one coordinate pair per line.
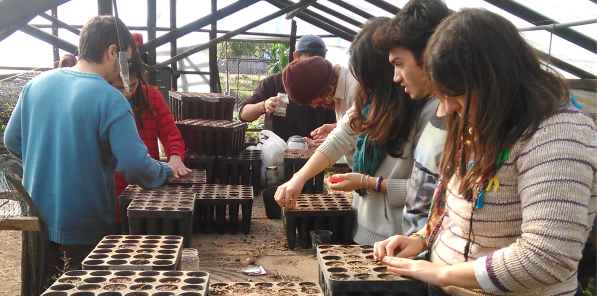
x,y
310,43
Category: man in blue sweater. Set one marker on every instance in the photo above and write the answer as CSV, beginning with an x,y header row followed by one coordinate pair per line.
x,y
72,129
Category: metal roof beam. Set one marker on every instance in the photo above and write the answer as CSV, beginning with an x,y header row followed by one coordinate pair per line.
x,y
233,33
14,11
8,31
60,23
385,6
49,38
353,9
319,21
338,15
537,19
198,24
569,68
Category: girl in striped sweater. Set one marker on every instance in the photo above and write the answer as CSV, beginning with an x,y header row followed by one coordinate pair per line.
x,y
154,120
519,187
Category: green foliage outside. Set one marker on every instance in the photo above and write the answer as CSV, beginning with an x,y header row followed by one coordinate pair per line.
x,y
279,56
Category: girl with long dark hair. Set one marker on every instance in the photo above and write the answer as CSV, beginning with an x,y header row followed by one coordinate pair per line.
x,y
518,188
383,127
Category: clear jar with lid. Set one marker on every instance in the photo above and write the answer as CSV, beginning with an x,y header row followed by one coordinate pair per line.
x,y
271,176
283,104
189,260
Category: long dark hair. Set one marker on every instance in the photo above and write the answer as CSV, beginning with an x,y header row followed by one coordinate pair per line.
x,y
393,113
141,96
475,49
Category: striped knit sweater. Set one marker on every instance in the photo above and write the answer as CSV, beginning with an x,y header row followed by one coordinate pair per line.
x,y
528,237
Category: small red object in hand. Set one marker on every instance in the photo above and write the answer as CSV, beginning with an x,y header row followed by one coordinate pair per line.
x,y
334,180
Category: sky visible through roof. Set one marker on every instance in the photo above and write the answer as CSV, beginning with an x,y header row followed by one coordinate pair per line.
x,y
23,50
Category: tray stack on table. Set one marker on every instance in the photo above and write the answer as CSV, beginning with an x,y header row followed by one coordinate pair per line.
x,y
192,178
189,105
201,162
129,282
167,210
241,169
208,196
269,288
127,196
332,212
213,137
294,160
351,270
135,252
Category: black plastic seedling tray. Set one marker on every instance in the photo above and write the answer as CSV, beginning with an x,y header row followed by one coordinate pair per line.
x,y
351,270
194,177
127,196
220,197
189,105
135,252
269,288
130,283
294,160
241,169
332,212
202,162
163,213
213,137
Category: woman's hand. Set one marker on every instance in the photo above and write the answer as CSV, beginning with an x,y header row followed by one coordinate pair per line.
x,y
178,167
270,104
398,246
353,181
288,193
422,270
323,131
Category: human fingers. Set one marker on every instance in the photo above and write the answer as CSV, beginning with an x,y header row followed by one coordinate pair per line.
x,y
279,195
315,132
379,249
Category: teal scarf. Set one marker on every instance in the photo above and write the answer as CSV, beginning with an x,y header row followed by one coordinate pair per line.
x,y
367,156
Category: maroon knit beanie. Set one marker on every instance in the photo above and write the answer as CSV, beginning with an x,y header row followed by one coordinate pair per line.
x,y
307,79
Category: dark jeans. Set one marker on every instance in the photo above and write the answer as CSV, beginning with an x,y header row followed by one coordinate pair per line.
x,y
63,258
436,291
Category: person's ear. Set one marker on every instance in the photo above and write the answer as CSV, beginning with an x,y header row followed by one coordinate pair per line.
x,y
112,52
295,55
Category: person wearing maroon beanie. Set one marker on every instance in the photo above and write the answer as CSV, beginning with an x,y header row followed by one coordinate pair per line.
x,y
314,81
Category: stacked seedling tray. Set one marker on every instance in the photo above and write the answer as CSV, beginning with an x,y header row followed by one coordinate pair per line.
x,y
188,105
208,196
273,288
166,211
213,137
332,212
135,252
130,283
127,196
202,162
241,169
192,178
294,160
352,270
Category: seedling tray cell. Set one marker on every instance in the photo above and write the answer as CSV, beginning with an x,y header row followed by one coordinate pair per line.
x,y
130,283
350,270
269,288
189,105
202,162
319,211
135,252
194,177
294,160
163,212
213,198
213,137
241,169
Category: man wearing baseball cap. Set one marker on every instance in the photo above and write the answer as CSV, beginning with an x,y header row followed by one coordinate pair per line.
x,y
299,120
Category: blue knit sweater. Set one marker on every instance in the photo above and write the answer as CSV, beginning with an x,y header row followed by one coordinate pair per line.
x,y
72,130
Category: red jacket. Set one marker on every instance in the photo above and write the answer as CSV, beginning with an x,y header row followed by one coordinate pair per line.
x,y
162,125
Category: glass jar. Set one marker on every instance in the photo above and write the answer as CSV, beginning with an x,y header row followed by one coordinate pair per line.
x,y
189,260
281,109
271,176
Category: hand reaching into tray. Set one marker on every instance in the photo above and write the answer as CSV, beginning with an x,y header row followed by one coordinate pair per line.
x,y
398,246
288,193
178,167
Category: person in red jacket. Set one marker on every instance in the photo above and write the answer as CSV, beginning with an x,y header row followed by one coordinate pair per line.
x,y
154,121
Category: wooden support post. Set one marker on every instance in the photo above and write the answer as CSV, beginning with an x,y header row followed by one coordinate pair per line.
x,y
20,223
173,50
214,77
104,7
151,34
292,41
